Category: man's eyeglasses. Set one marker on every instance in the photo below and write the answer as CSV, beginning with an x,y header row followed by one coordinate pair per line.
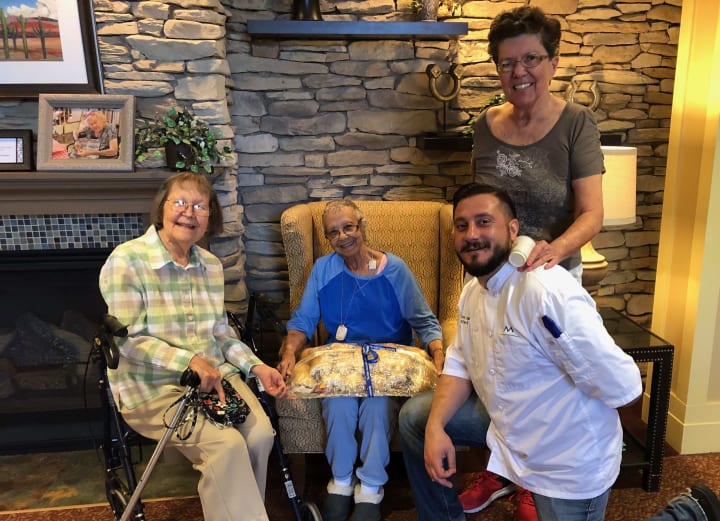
x,y
180,205
347,230
529,61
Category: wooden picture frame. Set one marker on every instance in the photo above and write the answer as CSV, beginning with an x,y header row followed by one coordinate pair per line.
x,y
66,54
16,150
85,132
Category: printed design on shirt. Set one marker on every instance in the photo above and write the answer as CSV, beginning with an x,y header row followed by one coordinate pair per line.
x,y
511,164
464,320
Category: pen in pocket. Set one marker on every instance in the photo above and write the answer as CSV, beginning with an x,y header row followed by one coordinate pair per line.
x,y
551,326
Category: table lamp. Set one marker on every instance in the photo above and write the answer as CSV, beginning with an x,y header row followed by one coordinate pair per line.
x,y
619,182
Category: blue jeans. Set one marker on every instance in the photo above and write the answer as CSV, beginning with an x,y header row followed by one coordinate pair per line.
x,y
468,426
553,509
681,508
374,418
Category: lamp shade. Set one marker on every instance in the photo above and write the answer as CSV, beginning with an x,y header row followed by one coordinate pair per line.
x,y
619,185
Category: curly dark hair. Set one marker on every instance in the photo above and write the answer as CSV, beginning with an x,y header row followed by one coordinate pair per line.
x,y
524,20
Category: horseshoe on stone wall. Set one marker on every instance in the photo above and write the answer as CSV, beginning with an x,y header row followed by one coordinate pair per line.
x,y
572,88
455,72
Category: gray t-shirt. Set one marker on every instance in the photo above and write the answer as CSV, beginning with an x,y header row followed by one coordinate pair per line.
x,y
538,176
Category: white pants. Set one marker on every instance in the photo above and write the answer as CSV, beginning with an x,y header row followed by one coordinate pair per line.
x,y
232,461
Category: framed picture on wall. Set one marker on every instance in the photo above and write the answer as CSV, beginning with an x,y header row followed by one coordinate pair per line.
x,y
15,150
48,46
85,132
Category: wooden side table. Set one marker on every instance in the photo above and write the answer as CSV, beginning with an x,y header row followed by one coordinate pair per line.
x,y
645,346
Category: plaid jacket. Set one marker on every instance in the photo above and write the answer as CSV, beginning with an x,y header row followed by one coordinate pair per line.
x,y
172,313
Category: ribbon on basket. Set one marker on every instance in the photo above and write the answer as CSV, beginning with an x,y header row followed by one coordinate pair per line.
x,y
370,356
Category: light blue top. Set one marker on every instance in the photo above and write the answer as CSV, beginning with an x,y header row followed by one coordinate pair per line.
x,y
382,308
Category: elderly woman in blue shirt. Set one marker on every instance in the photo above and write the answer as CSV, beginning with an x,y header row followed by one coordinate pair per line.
x,y
362,295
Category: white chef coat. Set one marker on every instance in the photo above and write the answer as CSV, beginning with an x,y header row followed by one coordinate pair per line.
x,y
552,401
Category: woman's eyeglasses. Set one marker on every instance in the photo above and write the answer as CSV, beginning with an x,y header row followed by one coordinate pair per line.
x,y
180,205
347,230
529,61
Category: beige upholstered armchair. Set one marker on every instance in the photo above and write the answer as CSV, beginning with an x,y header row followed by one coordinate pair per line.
x,y
416,231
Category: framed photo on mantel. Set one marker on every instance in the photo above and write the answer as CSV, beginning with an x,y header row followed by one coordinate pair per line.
x,y
85,132
48,46
15,150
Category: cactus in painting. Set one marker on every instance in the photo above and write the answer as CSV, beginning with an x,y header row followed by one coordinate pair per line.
x,y
23,29
42,33
4,25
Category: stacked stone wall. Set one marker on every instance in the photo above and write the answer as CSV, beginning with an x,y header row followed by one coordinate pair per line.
x,y
174,54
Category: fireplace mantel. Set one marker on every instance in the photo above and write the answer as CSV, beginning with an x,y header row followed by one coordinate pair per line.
x,y
354,30
67,192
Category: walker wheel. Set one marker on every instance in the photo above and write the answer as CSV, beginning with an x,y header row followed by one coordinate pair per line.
x,y
117,495
311,512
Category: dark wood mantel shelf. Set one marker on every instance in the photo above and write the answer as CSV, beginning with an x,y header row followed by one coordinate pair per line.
x,y
70,192
455,142
343,29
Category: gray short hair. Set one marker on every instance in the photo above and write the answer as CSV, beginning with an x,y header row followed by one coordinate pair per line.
x,y
337,205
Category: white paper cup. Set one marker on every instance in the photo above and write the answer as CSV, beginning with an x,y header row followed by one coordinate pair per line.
x,y
522,247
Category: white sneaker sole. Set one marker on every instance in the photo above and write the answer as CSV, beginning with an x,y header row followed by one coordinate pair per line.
x,y
509,489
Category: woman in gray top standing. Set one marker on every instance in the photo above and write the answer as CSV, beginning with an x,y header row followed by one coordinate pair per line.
x,y
542,150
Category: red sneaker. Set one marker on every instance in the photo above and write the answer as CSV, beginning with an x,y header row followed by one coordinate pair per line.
x,y
485,488
524,506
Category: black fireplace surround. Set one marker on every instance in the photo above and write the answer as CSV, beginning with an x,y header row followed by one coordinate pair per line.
x,y
50,308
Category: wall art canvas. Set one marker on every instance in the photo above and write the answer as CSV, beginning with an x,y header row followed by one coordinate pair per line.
x,y
43,40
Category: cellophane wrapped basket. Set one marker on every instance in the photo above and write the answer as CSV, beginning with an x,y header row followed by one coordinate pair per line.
x,y
362,370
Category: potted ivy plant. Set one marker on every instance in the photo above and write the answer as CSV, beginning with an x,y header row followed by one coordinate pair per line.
x,y
190,144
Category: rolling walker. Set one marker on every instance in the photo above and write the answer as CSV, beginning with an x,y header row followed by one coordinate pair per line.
x,y
122,489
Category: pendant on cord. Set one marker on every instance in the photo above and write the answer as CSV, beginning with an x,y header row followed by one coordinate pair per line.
x,y
341,332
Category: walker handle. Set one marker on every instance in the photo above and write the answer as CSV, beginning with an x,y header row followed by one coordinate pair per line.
x,y
189,378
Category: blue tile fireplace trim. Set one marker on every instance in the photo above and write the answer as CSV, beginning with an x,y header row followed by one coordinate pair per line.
x,y
67,231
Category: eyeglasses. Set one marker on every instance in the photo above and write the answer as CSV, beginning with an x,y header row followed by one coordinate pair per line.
x,y
529,61
180,205
346,229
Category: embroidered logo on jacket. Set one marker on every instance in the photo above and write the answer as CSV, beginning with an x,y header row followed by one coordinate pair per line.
x,y
508,331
